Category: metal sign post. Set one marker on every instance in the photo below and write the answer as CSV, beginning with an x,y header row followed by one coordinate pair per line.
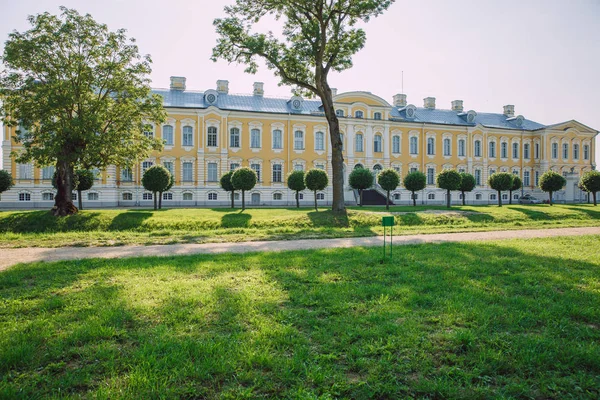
x,y
388,221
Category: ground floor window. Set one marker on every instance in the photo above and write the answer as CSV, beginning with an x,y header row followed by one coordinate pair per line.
x,y
431,196
24,197
167,196
187,197
320,196
47,196
147,196
396,196
516,197
504,197
212,196
478,196
93,196
277,196
127,196
493,196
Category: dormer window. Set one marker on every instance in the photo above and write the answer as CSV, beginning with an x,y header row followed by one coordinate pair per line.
x,y
211,96
296,103
410,111
359,114
339,113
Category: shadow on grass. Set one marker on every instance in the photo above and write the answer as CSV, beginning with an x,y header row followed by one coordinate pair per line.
x,y
591,210
264,324
533,213
328,219
236,220
44,221
129,220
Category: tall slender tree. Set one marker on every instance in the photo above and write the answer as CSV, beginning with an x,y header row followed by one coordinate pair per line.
x,y
318,36
467,184
80,95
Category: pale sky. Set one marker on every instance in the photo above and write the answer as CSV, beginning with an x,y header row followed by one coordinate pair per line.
x,y
543,56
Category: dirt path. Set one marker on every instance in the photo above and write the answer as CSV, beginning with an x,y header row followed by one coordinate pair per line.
x,y
9,257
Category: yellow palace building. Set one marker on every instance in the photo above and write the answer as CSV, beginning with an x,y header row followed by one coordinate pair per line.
x,y
208,133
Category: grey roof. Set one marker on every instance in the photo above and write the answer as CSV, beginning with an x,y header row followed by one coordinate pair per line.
x,y
251,103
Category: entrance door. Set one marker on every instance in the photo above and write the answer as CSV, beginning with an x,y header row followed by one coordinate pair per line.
x,y
255,199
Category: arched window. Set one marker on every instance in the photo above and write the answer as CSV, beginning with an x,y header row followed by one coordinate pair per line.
x,y
493,196
127,196
377,144
359,142
477,148
526,151
47,196
188,196
168,135
396,196
320,141
357,166
447,147
277,173
492,149
255,138
277,139
431,196
188,136
504,150
212,196
461,148
211,138
515,151
575,152
320,196
414,147
396,145
339,113
277,196
168,196
430,146
298,140
358,114
377,169
377,116
234,137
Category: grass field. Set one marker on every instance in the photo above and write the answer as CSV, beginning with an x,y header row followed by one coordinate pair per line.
x,y
507,320
121,227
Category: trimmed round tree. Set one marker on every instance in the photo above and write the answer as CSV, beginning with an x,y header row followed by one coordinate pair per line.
x,y
82,180
295,182
517,184
448,179
227,186
415,181
156,179
316,179
389,180
467,184
244,179
360,179
6,181
590,181
169,186
501,182
550,182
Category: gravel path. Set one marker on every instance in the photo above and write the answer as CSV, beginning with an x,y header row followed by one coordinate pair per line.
x,y
9,257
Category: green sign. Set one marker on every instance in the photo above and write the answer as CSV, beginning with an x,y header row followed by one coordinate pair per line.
x,y
387,221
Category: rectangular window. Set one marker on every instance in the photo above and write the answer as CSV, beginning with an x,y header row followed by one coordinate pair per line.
x,y
492,149
537,178
586,152
255,138
320,166
234,138
396,145
377,144
504,150
430,176
461,148
188,171
167,196
320,141
298,140
298,167
554,150
526,179
447,147
47,196
24,171
93,196
127,196
147,196
430,146
211,138
169,166
126,175
24,197
478,177
377,116
414,148
97,174
277,175
575,152
359,142
277,139
47,173
187,197
515,150
212,172
536,150
233,166
413,169
477,148
526,151
256,168
168,135
149,133
188,136
565,151
146,165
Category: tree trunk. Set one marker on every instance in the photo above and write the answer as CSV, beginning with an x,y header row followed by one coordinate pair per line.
x,y
550,197
414,199
160,200
154,197
297,199
448,199
243,200
387,201
63,202
79,200
463,198
499,199
360,192
594,196
337,158
232,198
510,197
316,209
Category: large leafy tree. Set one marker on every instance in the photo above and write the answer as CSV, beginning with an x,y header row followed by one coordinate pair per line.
x,y
6,180
295,182
415,181
449,179
81,96
82,180
500,182
551,182
590,182
360,179
467,184
318,36
316,180
389,180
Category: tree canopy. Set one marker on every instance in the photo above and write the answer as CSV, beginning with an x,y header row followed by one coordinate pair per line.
x,y
360,179
318,36
415,181
590,181
550,182
6,180
295,182
389,180
500,181
316,179
448,179
80,95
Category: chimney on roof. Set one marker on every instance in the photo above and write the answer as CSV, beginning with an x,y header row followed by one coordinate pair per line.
x,y
457,105
177,83
509,110
400,100
223,86
429,102
334,92
259,89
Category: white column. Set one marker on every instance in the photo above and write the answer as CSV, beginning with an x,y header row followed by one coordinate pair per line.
x,y
350,141
369,146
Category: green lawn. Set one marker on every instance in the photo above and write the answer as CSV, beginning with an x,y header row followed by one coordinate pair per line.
x,y
510,319
199,225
